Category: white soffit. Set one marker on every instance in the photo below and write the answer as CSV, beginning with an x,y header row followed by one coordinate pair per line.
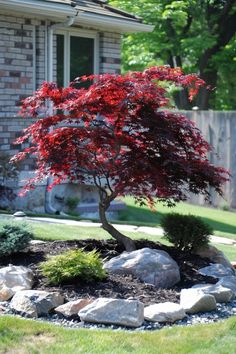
x,y
60,11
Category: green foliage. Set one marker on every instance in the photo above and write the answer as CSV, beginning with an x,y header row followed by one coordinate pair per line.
x,y
73,265
14,238
186,232
197,35
72,203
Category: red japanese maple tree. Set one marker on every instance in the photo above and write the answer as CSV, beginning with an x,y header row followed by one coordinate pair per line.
x,y
121,135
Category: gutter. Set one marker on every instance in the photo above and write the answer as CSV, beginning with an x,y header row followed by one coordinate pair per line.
x,y
35,7
112,23
58,11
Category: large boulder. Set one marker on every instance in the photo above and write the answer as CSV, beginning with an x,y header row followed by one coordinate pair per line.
x,y
34,303
16,278
164,312
228,282
215,255
72,308
220,293
149,265
114,311
216,271
194,301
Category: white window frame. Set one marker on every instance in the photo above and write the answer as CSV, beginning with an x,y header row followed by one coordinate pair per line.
x,y
67,33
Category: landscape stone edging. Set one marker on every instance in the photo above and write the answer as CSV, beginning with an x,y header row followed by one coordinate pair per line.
x,y
35,314
222,284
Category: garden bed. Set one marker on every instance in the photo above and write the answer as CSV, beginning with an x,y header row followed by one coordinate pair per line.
x,y
114,286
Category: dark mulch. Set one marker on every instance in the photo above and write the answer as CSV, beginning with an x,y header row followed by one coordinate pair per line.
x,y
115,286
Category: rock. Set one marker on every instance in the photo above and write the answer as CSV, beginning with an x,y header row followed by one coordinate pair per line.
x,y
215,255
149,265
216,271
164,312
72,308
16,278
19,214
2,310
114,311
228,282
34,303
36,242
233,264
5,293
194,301
220,293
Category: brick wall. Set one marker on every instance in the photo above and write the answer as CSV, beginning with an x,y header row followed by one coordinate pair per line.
x,y
22,69
110,52
17,53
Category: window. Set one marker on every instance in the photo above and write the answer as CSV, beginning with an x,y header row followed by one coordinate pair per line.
x,y
77,55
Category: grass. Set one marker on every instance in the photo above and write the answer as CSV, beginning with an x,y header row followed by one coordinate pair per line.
x,y
66,232
19,336
223,222
229,251
52,232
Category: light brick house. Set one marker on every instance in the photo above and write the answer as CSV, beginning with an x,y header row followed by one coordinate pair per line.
x,y
53,40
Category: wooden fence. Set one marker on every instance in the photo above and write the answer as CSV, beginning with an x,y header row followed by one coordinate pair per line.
x,y
219,129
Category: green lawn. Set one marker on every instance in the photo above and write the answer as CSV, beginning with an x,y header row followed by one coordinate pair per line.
x,y
45,231
223,222
229,251
19,336
64,232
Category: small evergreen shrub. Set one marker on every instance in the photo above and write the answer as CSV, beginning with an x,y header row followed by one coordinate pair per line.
x,y
71,265
72,203
186,232
14,238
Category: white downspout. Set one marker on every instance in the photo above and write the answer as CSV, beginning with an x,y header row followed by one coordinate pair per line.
x,y
49,209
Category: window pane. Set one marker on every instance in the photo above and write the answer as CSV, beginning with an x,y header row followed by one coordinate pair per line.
x,y
81,57
60,60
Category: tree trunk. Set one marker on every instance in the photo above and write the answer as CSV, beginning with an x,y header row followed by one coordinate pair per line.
x,y
120,238
205,95
181,97
182,100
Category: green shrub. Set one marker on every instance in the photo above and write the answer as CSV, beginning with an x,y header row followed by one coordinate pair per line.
x,y
72,265
14,238
186,232
72,203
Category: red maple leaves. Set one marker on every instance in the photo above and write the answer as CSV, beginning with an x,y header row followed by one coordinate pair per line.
x,y
119,135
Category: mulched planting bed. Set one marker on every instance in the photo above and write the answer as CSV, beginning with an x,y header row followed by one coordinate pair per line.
x,y
114,286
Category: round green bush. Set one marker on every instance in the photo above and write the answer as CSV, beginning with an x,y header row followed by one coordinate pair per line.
x,y
14,238
73,265
186,232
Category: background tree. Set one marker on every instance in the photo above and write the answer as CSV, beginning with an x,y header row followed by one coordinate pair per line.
x,y
197,35
118,135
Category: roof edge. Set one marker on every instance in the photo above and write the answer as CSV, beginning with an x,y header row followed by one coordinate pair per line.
x,y
120,25
61,11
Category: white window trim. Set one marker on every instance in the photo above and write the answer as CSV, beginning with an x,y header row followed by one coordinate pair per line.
x,y
78,33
